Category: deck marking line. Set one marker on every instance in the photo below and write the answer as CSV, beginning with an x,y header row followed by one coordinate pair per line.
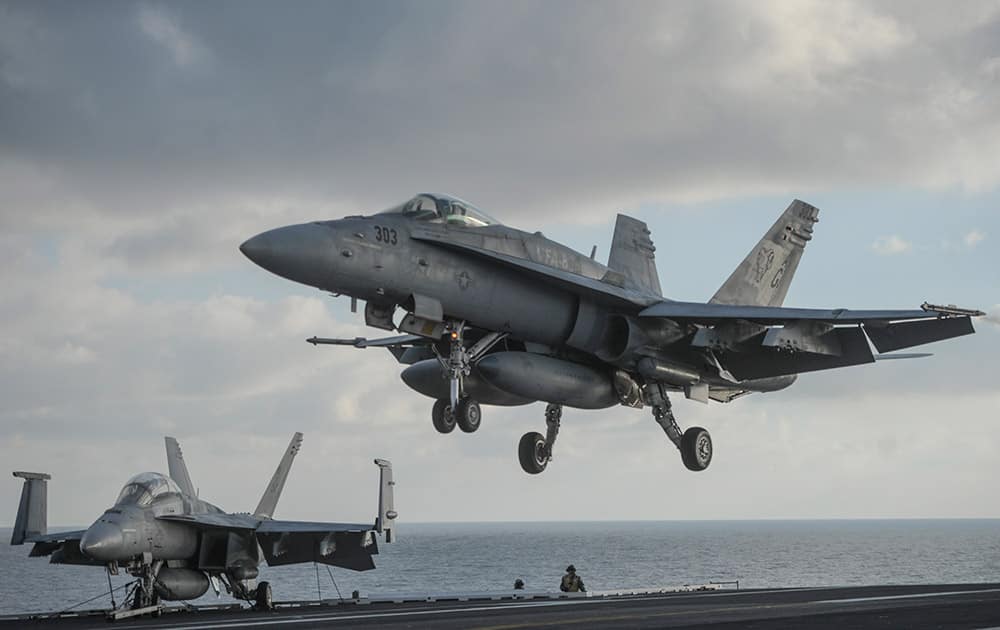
x,y
855,600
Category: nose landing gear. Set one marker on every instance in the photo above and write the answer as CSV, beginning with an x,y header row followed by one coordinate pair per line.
x,y
460,409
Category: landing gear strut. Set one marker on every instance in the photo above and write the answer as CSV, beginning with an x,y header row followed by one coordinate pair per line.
x,y
535,451
460,409
144,598
695,444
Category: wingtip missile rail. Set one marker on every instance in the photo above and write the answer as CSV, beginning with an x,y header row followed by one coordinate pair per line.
x,y
951,310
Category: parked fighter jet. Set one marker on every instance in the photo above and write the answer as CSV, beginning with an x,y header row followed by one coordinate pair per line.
x,y
498,316
177,545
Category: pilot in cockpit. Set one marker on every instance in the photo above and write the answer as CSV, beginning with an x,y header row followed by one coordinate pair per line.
x,y
444,209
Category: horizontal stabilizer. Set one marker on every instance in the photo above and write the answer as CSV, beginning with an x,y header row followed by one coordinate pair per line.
x,y
908,334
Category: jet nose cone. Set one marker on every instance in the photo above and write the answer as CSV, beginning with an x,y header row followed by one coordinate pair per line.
x,y
103,541
303,253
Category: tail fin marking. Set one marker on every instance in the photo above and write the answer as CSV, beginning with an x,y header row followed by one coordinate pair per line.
x,y
763,278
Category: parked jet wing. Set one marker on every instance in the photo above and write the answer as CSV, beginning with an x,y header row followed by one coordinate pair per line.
x,y
574,282
76,534
347,545
306,527
64,547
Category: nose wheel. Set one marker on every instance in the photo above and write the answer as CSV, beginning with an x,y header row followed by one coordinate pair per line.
x,y
467,416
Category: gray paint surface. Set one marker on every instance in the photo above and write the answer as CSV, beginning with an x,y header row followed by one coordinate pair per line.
x,y
575,332
176,543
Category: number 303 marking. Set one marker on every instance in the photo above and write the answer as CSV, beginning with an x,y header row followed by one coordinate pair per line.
x,y
385,235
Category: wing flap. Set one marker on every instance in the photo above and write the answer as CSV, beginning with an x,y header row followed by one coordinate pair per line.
x,y
915,333
764,363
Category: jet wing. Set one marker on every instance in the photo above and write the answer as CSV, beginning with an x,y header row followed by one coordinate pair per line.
x,y
608,290
752,342
57,537
347,545
709,314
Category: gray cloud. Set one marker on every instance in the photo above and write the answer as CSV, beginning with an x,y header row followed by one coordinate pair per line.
x,y
561,106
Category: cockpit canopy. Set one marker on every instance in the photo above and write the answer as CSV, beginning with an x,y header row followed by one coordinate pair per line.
x,y
437,208
144,487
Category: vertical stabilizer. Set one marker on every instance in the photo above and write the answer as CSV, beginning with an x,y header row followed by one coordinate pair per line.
x,y
763,278
386,520
268,502
177,468
32,513
632,255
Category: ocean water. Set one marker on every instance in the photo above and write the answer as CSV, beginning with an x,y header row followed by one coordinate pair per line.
x,y
460,557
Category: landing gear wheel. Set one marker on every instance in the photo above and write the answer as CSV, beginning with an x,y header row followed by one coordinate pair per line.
x,y
443,418
468,415
696,449
263,596
533,453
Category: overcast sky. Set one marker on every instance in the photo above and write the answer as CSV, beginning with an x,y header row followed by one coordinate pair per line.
x,y
141,142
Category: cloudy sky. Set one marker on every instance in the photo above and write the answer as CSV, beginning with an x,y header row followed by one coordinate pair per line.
x,y
141,142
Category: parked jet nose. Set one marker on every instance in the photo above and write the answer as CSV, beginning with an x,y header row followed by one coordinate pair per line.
x,y
303,253
103,541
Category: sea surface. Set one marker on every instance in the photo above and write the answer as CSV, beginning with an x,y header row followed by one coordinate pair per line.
x,y
462,557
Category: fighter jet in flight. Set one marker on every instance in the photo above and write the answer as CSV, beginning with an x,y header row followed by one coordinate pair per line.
x,y
497,316
177,545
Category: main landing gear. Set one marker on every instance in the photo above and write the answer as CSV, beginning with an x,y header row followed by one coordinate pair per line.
x,y
534,451
695,444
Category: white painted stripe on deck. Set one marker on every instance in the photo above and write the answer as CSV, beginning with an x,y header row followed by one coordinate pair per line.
x,y
855,600
371,615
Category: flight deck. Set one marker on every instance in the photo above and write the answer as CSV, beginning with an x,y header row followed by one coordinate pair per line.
x,y
914,606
